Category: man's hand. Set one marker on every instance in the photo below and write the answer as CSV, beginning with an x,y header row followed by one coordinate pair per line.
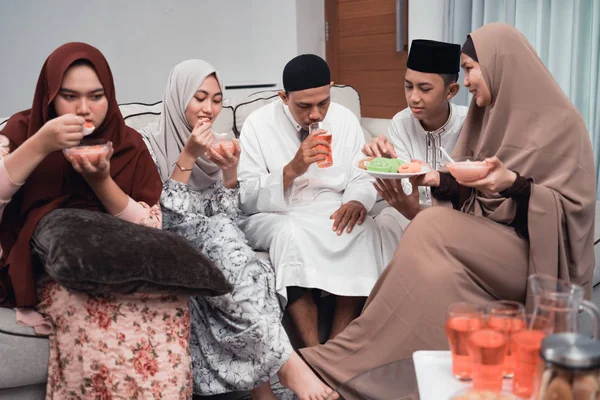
x,y
379,147
348,215
391,190
307,154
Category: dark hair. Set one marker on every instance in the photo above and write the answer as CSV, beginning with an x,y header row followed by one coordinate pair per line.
x,y
449,78
82,61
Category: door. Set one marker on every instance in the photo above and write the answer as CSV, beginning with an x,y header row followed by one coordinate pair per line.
x,y
363,50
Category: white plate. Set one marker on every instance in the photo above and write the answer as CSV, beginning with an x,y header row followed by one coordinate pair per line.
x,y
434,376
395,175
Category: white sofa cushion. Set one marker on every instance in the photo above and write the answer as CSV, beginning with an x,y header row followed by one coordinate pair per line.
x,y
138,115
374,127
348,97
251,104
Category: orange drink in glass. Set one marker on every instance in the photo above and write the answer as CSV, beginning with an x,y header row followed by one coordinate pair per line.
x,y
487,348
506,317
463,318
326,136
526,345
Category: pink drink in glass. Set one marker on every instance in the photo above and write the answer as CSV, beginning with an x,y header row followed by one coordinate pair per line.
x,y
487,348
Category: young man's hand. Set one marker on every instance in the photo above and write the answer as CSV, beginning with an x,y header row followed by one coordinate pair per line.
x,y
379,147
391,190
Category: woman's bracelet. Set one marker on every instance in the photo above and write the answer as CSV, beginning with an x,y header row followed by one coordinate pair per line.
x,y
183,169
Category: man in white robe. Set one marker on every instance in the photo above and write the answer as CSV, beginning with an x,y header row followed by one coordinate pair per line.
x,y
313,221
419,132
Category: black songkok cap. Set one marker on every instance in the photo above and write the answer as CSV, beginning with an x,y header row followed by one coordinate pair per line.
x,y
306,71
434,57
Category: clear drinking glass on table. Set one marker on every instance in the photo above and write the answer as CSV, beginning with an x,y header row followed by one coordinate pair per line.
x,y
462,319
487,348
526,345
506,317
326,135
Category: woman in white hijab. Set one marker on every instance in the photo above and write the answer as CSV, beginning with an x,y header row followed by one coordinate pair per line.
x,y
237,341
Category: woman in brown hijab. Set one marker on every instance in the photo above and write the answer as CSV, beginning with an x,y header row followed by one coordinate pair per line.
x,y
100,346
533,213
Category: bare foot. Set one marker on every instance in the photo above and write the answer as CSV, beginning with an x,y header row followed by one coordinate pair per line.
x,y
263,392
298,377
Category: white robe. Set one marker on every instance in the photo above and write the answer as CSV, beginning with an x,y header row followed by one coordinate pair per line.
x,y
294,224
412,142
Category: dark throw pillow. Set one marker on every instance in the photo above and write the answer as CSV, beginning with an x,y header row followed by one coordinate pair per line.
x,y
97,253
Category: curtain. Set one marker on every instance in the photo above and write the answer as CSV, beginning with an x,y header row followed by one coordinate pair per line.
x,y
566,35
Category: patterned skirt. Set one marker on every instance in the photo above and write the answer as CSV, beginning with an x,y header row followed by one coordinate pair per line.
x,y
116,346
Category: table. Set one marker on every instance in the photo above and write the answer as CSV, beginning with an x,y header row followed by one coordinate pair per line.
x,y
393,381
398,380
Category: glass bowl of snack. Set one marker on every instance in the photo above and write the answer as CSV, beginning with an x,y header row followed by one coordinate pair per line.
x,y
92,149
222,142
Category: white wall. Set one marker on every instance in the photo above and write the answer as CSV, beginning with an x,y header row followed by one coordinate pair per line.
x,y
310,23
248,41
425,19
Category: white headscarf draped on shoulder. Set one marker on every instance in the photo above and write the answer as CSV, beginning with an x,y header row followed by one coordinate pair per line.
x,y
169,135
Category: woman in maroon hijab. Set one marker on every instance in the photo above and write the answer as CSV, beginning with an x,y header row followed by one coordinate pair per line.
x,y
100,346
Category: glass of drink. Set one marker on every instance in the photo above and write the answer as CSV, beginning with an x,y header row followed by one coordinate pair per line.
x,y
526,345
506,317
462,319
487,348
222,141
326,135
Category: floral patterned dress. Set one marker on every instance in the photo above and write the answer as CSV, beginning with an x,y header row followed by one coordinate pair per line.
x,y
116,346
237,341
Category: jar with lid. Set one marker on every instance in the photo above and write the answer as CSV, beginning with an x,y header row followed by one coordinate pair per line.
x,y
570,368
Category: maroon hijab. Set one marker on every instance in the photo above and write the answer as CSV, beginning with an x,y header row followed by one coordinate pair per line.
x,y
54,183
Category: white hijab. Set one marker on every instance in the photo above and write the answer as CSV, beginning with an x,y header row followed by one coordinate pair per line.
x,y
169,135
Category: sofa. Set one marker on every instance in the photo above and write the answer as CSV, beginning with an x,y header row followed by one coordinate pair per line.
x,y
23,370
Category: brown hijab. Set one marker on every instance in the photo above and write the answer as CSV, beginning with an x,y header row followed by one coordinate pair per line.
x,y
533,128
54,183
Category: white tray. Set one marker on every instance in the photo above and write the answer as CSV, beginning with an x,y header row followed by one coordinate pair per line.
x,y
434,375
